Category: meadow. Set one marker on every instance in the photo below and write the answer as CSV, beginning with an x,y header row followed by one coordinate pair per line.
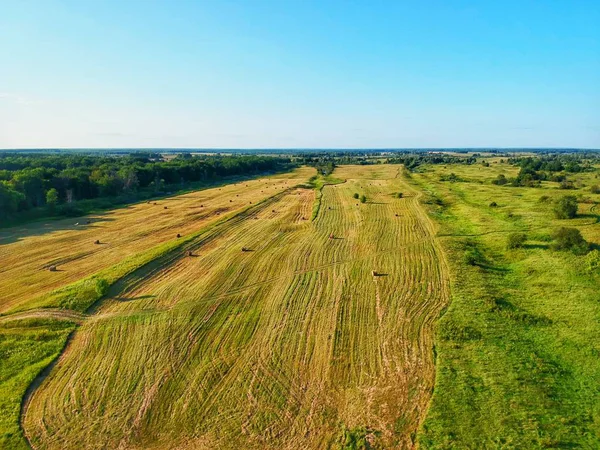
x,y
271,330
517,350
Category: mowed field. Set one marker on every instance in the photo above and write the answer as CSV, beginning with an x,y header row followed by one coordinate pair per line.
x,y
319,334
27,252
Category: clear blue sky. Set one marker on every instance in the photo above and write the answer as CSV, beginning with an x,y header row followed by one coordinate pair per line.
x,y
285,73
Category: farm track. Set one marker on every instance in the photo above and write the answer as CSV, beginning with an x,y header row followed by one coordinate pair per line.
x,y
283,345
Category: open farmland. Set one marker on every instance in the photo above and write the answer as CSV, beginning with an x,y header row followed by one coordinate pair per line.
x,y
28,251
277,332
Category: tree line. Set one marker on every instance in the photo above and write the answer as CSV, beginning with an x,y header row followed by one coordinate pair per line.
x,y
56,182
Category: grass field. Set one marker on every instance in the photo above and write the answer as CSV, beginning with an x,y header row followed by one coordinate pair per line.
x,y
293,343
518,353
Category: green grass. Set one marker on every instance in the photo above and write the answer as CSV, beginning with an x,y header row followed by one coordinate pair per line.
x,y
318,182
26,348
517,350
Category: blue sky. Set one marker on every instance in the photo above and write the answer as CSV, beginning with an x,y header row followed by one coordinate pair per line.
x,y
286,73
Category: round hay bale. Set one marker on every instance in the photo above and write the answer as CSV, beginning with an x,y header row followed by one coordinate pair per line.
x,y
97,242
178,235
166,207
52,268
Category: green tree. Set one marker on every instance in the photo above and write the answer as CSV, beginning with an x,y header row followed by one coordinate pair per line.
x,y
570,239
566,207
10,200
52,198
356,195
363,198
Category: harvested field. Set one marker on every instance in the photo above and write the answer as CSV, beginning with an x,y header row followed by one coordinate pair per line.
x,y
319,333
29,251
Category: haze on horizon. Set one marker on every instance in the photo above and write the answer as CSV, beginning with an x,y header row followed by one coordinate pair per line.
x,y
299,74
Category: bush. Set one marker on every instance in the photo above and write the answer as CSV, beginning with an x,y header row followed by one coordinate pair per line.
x,y
595,189
566,207
566,184
399,195
516,240
102,287
570,239
363,199
500,180
355,195
545,199
593,261
493,205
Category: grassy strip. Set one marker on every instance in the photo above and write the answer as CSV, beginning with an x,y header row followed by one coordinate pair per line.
x,y
318,182
26,348
517,353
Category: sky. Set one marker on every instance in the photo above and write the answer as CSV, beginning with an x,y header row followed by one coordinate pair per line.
x,y
299,74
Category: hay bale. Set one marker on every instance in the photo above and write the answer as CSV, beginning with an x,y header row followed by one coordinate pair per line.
x,y
178,235
190,253
165,207
52,268
97,242
374,273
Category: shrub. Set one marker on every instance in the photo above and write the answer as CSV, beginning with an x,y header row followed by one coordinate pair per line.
x,y
595,189
570,239
593,261
363,198
399,195
355,195
500,180
102,287
545,199
516,240
493,205
566,184
566,207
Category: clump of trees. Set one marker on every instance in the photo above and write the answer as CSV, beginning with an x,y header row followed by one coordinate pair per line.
x,y
516,240
566,207
452,178
566,238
